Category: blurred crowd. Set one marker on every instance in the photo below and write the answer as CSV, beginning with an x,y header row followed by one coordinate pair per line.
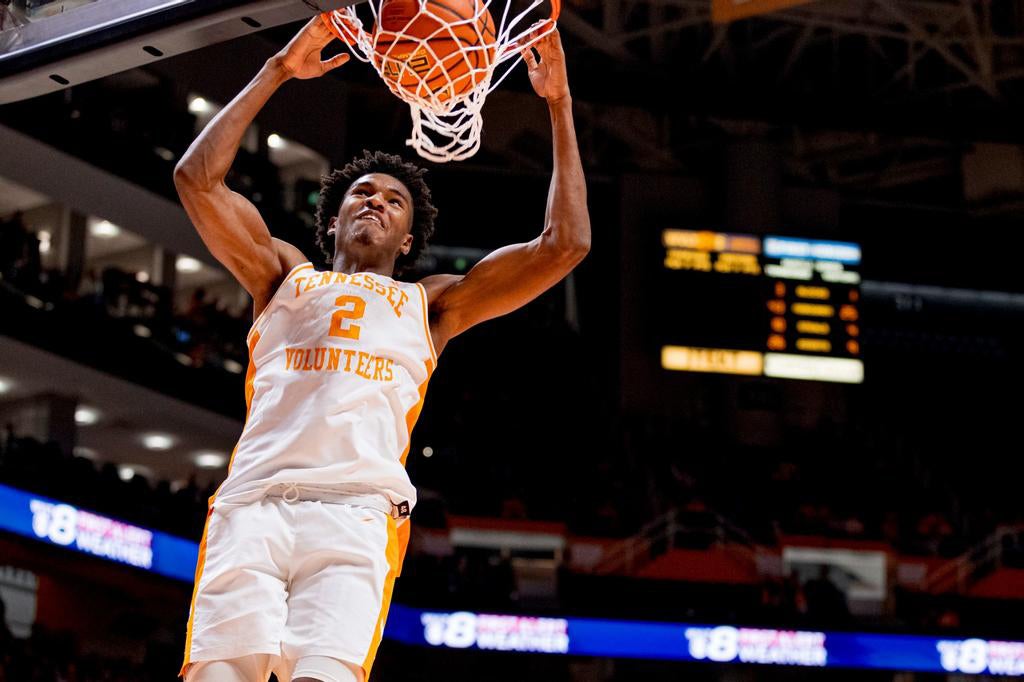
x,y
53,657
180,507
204,331
44,469
820,483
763,505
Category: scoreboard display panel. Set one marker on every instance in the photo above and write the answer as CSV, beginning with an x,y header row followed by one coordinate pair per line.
x,y
760,306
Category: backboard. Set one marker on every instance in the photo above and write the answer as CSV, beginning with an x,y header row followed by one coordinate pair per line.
x,y
47,45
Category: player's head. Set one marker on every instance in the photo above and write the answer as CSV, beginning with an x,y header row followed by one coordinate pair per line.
x,y
377,186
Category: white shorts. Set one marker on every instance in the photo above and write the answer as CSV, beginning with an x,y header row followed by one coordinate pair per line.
x,y
293,579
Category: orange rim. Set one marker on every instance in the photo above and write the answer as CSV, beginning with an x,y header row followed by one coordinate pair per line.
x,y
329,22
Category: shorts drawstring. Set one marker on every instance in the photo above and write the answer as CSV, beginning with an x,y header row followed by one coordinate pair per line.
x,y
291,493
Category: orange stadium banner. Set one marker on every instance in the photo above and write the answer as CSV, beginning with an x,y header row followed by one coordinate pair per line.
x,y
724,11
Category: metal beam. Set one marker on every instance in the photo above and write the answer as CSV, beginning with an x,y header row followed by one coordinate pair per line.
x,y
594,37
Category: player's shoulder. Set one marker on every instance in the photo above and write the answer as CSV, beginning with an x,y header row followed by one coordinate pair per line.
x,y
436,285
288,256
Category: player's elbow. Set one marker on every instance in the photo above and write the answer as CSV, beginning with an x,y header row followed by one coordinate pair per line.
x,y
568,241
574,246
567,256
184,176
188,176
581,245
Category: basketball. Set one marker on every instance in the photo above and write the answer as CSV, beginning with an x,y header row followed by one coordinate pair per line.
x,y
442,47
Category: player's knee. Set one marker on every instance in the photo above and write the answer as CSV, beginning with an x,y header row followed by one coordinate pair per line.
x,y
245,669
324,669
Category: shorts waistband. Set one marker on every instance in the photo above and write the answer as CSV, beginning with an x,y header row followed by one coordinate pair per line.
x,y
293,492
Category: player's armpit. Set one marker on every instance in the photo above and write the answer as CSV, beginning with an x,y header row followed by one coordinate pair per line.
x,y
505,280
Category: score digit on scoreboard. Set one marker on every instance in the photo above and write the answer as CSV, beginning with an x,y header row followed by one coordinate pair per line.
x,y
773,306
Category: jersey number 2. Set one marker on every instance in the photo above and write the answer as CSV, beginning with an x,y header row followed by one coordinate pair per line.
x,y
338,326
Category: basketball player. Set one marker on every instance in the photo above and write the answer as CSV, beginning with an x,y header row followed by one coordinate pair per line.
x,y
305,537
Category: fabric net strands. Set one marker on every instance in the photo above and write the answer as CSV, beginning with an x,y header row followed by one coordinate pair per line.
x,y
442,57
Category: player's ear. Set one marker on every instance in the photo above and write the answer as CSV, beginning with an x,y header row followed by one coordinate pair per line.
x,y
407,244
332,226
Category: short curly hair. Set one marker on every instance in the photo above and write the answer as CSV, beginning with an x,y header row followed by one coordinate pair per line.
x,y
334,185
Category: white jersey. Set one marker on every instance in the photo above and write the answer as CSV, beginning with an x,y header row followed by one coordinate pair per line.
x,y
338,369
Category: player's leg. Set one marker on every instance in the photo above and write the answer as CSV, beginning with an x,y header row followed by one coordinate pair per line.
x,y
254,668
347,561
239,607
324,669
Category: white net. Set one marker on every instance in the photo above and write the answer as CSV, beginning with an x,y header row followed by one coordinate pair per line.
x,y
442,62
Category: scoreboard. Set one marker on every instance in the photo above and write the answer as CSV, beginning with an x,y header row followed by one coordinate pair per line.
x,y
760,306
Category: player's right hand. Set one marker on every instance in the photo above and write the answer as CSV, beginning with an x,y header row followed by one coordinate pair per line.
x,y
301,56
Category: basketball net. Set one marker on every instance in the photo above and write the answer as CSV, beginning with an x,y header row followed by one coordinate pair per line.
x,y
446,125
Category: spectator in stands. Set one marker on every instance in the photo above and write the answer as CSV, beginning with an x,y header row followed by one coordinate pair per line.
x,y
826,602
90,288
20,262
6,638
948,619
935,533
115,285
513,507
9,437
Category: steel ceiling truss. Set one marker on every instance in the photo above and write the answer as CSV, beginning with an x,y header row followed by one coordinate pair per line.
x,y
977,43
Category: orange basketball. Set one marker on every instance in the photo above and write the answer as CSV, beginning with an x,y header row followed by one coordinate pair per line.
x,y
447,26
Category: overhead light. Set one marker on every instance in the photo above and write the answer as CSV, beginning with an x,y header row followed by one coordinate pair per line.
x,y
44,241
164,153
142,276
5,385
142,330
82,451
86,416
198,105
157,441
275,141
104,229
233,367
210,460
183,359
125,473
428,451
187,264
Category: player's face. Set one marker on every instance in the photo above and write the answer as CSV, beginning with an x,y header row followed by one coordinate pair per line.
x,y
375,215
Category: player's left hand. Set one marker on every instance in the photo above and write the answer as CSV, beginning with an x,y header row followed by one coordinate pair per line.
x,y
548,75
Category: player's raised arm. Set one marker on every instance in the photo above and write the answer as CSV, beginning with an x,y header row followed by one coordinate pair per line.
x,y
228,223
514,275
